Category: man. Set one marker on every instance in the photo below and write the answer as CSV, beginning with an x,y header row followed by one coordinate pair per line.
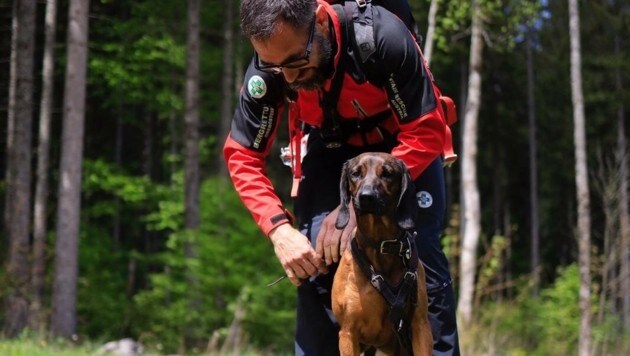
x,y
385,102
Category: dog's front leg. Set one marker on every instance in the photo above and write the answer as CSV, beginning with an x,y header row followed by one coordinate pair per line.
x,y
421,337
348,343
422,340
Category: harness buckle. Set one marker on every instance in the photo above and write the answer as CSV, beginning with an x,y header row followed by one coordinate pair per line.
x,y
413,275
383,249
375,282
361,3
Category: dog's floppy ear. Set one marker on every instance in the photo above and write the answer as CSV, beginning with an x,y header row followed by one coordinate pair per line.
x,y
344,196
407,208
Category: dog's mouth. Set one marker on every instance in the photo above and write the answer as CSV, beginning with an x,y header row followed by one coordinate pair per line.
x,y
364,207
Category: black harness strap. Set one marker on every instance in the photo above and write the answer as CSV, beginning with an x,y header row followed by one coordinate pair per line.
x,y
406,291
331,131
355,18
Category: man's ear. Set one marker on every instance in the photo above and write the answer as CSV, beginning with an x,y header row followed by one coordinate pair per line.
x,y
321,16
344,196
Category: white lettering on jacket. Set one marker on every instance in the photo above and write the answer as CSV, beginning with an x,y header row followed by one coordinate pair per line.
x,y
266,124
396,100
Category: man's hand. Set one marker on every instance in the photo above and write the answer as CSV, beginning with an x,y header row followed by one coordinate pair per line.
x,y
331,242
295,253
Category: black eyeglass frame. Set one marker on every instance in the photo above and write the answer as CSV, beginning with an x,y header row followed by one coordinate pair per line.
x,y
293,64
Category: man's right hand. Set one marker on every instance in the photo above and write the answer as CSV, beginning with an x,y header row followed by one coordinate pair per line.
x,y
295,253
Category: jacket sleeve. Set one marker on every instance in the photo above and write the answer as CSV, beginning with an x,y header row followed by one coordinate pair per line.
x,y
412,94
253,129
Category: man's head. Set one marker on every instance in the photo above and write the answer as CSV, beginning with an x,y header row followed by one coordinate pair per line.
x,y
291,37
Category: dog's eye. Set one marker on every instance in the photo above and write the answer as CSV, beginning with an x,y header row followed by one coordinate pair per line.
x,y
356,173
387,173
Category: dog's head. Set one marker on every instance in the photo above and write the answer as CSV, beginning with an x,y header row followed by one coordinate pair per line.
x,y
379,184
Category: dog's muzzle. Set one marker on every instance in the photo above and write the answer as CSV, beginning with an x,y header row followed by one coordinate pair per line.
x,y
368,201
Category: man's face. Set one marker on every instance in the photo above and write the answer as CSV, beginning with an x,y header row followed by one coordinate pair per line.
x,y
288,47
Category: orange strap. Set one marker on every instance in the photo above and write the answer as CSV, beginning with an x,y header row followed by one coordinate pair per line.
x,y
449,154
295,143
450,113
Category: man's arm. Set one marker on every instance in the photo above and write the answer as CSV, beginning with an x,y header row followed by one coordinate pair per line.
x,y
253,129
254,126
411,92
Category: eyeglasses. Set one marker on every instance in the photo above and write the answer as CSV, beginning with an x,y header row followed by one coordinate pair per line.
x,y
291,63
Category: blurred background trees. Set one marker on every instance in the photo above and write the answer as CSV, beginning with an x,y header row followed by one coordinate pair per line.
x,y
138,254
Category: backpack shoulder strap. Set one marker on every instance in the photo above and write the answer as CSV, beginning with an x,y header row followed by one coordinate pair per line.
x,y
363,28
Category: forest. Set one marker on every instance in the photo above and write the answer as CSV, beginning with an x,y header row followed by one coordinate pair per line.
x,y
120,221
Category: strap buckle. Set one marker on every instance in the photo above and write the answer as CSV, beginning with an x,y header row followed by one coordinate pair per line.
x,y
361,3
412,275
375,282
383,249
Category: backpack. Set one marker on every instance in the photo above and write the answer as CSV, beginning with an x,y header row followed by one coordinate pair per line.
x,y
331,130
400,8
364,45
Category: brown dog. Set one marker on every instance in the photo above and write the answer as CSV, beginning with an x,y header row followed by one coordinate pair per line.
x,y
379,294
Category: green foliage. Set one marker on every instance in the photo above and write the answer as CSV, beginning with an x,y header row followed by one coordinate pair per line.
x,y
544,325
141,63
502,22
234,262
491,263
103,305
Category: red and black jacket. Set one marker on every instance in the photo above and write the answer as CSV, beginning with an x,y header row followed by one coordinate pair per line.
x,y
394,79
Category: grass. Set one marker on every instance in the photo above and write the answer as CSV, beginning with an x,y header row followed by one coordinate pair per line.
x,y
32,347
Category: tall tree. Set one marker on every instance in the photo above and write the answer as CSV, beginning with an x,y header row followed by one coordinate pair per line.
x,y
624,218
38,274
533,163
18,198
581,181
64,293
191,119
471,204
191,154
430,37
227,80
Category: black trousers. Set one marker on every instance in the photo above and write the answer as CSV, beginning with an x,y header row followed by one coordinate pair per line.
x,y
318,195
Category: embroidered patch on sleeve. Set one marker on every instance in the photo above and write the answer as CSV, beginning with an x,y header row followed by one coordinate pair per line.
x,y
257,87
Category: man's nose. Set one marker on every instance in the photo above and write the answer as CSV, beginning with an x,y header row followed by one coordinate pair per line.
x,y
290,74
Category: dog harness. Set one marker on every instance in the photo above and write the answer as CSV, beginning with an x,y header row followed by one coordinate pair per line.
x,y
406,291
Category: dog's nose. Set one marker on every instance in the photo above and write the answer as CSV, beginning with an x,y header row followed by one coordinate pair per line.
x,y
368,201
367,197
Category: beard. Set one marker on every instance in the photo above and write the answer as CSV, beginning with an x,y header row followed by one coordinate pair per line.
x,y
322,70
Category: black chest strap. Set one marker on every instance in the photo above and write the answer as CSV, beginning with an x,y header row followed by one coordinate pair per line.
x,y
397,296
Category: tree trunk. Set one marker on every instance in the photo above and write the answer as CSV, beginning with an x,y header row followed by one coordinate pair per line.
x,y
191,119
227,81
191,142
581,180
606,184
40,228
472,227
624,219
19,140
64,295
238,63
463,92
430,38
533,166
